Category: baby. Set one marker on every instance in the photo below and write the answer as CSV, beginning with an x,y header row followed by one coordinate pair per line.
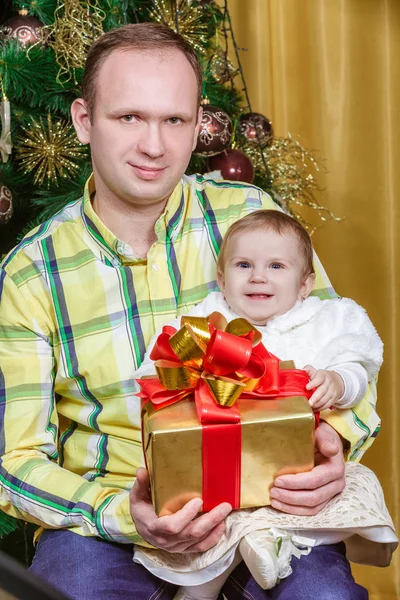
x,y
265,274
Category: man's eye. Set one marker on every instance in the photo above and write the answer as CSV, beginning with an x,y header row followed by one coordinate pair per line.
x,y
129,118
175,120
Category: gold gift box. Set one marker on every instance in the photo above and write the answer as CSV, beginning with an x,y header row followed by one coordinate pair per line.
x,y
277,438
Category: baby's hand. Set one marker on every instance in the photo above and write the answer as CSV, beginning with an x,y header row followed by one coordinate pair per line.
x,y
330,387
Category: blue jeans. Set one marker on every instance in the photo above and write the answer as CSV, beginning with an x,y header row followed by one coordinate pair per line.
x,y
93,569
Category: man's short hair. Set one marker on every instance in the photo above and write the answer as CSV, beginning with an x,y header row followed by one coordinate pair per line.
x,y
135,36
273,220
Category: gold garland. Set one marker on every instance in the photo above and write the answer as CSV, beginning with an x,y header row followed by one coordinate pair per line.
x,y
291,171
184,18
50,150
77,24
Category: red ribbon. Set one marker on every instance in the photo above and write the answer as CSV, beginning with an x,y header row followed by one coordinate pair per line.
x,y
221,426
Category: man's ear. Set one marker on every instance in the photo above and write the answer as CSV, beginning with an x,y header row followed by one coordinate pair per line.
x,y
307,286
221,281
197,128
81,120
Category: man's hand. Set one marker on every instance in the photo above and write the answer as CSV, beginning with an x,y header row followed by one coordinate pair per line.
x,y
330,387
307,493
180,532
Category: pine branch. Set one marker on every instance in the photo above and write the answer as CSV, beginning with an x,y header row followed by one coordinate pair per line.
x,y
8,524
42,9
49,201
26,74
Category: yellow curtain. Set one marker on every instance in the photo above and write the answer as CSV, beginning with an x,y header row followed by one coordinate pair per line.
x,y
329,71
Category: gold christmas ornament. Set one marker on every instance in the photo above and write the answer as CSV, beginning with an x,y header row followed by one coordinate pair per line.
x,y
291,170
77,24
51,150
221,68
184,18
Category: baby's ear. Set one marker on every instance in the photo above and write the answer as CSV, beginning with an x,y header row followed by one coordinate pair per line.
x,y
221,280
307,286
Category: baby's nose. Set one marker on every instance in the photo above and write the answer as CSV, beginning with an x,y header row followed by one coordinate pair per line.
x,y
259,277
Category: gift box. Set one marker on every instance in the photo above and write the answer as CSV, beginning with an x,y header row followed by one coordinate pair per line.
x,y
223,418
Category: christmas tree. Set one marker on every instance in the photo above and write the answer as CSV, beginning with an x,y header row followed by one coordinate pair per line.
x,y
43,44
42,53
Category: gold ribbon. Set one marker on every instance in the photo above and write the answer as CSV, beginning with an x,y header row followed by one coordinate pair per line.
x,y
191,344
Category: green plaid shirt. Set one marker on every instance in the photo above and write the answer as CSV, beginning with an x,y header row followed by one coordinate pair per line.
x,y
77,312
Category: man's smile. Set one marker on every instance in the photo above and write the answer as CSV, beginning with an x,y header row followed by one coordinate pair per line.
x,y
147,173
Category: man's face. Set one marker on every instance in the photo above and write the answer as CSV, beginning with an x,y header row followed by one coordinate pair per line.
x,y
263,274
144,126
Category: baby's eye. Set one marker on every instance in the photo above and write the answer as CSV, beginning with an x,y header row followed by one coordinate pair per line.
x,y
243,265
276,266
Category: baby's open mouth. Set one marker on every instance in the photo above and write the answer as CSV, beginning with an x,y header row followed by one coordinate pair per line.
x,y
263,296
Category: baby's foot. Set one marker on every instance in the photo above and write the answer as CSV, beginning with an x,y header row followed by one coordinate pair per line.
x,y
268,553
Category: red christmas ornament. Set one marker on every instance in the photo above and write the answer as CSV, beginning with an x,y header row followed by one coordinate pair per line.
x,y
215,131
233,164
27,30
252,124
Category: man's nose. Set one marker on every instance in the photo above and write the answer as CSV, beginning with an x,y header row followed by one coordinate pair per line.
x,y
151,141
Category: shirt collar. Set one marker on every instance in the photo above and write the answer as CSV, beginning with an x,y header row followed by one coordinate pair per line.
x,y
171,221
169,224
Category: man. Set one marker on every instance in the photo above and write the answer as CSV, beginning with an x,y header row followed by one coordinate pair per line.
x,y
81,297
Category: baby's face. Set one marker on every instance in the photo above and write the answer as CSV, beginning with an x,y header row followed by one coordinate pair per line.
x,y
263,274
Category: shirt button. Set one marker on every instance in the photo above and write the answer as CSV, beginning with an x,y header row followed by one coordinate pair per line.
x,y
155,267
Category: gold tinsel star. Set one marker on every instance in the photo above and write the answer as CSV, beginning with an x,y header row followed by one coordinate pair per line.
x,y
184,18
50,150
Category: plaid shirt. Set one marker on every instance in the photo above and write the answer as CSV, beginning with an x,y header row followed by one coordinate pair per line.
x,y
77,312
